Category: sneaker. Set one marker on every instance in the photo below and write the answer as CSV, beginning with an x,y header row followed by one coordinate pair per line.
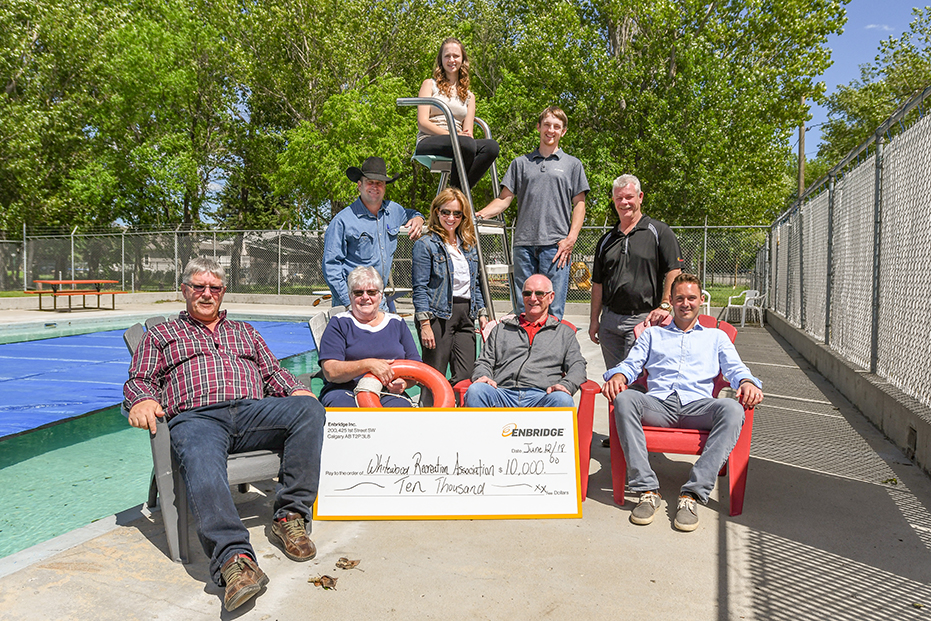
x,y
686,514
243,580
645,510
292,534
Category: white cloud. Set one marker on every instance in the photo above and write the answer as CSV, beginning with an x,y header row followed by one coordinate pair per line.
x,y
883,27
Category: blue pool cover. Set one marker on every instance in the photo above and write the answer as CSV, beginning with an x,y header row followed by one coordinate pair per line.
x,y
46,381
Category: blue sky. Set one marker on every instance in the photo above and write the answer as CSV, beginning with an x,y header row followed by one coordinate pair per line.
x,y
868,23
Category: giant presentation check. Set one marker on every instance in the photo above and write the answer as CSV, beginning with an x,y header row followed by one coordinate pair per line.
x,y
448,464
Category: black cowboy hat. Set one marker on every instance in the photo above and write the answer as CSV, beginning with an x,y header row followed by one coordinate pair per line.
x,y
372,168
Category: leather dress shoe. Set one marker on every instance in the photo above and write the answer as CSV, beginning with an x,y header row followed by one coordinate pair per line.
x,y
291,533
243,580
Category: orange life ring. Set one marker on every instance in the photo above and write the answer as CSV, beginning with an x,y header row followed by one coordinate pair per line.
x,y
423,374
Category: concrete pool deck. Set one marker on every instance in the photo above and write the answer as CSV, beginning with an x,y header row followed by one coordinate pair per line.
x,y
836,525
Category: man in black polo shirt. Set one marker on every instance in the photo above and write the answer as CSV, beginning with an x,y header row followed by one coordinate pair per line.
x,y
635,264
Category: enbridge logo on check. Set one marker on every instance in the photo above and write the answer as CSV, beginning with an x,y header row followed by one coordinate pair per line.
x,y
511,430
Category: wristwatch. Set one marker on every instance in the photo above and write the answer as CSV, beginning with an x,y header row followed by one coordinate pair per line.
x,y
666,306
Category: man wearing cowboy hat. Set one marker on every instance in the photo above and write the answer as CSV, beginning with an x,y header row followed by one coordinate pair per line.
x,y
366,232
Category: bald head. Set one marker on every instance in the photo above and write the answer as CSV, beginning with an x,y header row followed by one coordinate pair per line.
x,y
537,296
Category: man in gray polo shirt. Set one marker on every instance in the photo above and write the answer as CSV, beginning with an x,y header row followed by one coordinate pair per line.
x,y
550,187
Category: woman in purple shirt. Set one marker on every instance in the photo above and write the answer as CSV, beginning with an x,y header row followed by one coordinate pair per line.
x,y
364,340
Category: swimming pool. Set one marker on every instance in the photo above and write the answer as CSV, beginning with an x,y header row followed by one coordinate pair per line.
x,y
50,380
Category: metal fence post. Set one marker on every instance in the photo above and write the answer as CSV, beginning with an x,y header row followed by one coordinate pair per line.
x,y
73,231
24,256
768,266
788,259
123,259
177,284
704,254
279,260
877,243
830,261
801,266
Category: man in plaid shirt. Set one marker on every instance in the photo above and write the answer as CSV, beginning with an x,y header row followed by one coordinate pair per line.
x,y
223,392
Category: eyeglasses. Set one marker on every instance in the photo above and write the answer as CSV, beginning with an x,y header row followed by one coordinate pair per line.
x,y
214,290
539,294
450,212
369,292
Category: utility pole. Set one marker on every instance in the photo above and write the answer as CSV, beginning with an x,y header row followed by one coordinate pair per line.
x,y
801,156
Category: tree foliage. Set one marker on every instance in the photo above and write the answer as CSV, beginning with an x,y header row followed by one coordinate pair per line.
x,y
900,71
247,114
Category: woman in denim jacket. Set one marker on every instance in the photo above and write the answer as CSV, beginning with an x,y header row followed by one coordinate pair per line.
x,y
447,295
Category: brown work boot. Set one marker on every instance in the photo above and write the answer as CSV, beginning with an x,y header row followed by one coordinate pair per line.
x,y
243,580
292,533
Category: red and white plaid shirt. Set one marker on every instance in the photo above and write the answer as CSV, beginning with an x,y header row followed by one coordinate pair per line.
x,y
183,365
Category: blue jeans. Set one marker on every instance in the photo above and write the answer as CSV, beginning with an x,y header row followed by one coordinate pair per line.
x,y
530,260
482,395
633,410
201,440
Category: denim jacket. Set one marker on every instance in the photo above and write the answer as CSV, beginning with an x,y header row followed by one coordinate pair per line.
x,y
432,275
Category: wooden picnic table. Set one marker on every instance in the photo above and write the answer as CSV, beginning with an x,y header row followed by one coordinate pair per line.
x,y
57,291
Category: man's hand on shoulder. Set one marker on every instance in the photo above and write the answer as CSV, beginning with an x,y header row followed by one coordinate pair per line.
x,y
415,227
656,317
614,386
486,380
143,414
748,394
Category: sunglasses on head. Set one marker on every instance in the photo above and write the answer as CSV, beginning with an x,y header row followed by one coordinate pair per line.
x,y
450,212
369,292
539,294
215,290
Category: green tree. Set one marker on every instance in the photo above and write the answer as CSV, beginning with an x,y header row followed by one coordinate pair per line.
x,y
178,112
900,71
50,68
163,119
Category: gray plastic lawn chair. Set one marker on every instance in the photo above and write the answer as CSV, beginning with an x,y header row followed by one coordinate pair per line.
x,y
167,486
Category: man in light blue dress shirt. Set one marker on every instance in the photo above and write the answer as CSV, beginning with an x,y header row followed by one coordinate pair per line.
x,y
682,361
366,232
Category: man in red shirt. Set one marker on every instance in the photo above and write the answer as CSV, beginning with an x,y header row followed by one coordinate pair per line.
x,y
530,361
223,392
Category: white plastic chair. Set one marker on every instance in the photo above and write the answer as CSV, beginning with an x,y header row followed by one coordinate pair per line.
x,y
706,305
752,301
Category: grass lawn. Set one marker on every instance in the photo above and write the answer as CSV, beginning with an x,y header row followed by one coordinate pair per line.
x,y
720,293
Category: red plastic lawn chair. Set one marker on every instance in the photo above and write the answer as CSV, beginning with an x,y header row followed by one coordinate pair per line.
x,y
688,441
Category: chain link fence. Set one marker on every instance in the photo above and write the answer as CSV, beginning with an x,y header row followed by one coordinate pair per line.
x,y
846,262
290,262
11,265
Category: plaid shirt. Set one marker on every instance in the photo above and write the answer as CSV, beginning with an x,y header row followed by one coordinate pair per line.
x,y
183,365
